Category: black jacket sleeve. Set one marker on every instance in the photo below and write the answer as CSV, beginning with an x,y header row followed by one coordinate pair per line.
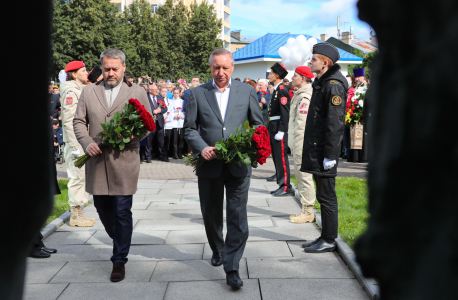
x,y
335,99
284,109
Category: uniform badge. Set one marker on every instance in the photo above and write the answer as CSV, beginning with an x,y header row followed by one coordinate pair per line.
x,y
336,100
303,112
282,87
303,106
333,82
69,100
284,100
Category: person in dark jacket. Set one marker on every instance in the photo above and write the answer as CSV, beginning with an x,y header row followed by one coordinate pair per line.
x,y
159,111
322,139
278,130
54,103
263,98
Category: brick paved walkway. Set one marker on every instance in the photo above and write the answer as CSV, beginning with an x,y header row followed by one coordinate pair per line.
x,y
170,257
176,169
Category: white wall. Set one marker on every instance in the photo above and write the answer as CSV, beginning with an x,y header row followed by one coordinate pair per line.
x,y
258,69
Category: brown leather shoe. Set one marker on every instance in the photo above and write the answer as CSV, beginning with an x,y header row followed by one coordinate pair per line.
x,y
119,272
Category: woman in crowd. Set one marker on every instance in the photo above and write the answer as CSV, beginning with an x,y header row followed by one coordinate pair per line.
x,y
168,120
176,110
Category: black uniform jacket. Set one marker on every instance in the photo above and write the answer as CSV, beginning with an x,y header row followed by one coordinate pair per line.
x,y
279,106
325,123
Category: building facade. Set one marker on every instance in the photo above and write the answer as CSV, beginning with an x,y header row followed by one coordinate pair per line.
x,y
222,11
255,59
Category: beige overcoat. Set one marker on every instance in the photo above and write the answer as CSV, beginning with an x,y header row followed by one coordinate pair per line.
x,y
298,113
113,172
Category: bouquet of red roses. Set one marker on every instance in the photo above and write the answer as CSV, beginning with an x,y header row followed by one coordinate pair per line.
x,y
246,146
134,120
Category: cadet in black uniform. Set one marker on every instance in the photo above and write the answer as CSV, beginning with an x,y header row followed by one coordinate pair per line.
x,y
322,139
278,129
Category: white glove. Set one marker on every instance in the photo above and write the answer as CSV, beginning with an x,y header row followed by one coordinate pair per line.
x,y
76,152
329,164
279,136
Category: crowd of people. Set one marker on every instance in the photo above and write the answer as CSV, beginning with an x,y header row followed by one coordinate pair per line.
x,y
304,116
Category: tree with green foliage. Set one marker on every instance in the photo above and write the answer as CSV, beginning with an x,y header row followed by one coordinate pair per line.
x,y
203,31
82,29
145,40
174,18
367,63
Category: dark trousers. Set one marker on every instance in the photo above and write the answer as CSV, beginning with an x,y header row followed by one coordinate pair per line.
x,y
211,192
281,161
177,141
168,140
326,196
116,216
158,137
37,243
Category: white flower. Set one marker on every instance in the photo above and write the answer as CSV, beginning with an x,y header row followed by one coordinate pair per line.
x,y
361,102
353,98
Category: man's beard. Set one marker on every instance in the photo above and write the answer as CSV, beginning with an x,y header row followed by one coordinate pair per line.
x,y
112,84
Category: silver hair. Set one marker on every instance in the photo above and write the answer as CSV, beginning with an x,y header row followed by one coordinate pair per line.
x,y
265,81
113,53
220,52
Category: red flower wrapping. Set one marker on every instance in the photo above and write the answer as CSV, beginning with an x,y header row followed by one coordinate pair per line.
x,y
262,142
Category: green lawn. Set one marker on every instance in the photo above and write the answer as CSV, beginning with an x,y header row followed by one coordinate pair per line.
x,y
353,214
60,202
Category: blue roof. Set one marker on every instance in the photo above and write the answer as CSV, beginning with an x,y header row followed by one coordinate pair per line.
x,y
268,45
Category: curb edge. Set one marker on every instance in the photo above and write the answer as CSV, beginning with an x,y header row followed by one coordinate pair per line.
x,y
348,256
59,221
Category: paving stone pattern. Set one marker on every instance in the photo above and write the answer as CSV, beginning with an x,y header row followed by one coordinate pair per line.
x,y
169,256
176,169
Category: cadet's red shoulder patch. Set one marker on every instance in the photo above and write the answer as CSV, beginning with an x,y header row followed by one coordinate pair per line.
x,y
284,100
303,112
304,105
282,87
69,100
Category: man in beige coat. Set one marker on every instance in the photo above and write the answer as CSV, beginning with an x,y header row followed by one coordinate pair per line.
x,y
297,117
70,93
111,175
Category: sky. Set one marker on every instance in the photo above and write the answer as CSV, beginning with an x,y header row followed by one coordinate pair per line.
x,y
259,17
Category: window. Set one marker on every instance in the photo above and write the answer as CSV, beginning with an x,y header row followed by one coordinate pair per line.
x,y
227,31
227,45
227,3
154,8
118,6
227,17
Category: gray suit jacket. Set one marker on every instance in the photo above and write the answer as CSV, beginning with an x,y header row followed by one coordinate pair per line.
x,y
204,126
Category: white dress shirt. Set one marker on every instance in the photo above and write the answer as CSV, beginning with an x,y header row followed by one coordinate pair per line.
x,y
111,93
276,87
222,97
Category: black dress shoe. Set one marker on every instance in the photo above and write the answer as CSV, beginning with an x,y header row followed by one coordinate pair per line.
x,y
233,280
281,193
175,157
305,245
118,273
166,159
272,178
321,246
273,192
148,160
49,250
217,260
180,156
39,254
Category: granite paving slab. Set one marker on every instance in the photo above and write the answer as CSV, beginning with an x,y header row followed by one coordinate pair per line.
x,y
211,290
259,249
69,238
186,237
99,271
43,291
147,191
172,224
42,271
138,238
166,252
192,270
319,289
312,265
179,191
163,198
119,291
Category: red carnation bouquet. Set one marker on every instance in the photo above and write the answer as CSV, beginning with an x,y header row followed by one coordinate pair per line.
x,y
134,120
246,146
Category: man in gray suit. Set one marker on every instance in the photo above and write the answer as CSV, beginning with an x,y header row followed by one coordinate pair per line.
x,y
215,109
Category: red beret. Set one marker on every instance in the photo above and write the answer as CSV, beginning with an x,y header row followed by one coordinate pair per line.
x,y
305,71
74,65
